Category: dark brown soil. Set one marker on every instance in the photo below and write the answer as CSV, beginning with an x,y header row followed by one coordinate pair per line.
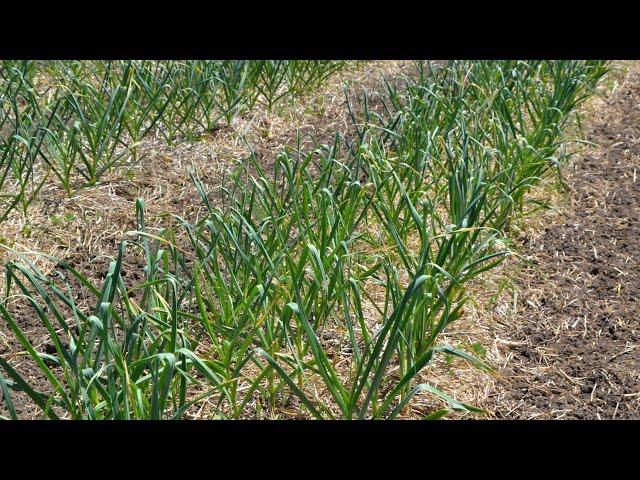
x,y
575,339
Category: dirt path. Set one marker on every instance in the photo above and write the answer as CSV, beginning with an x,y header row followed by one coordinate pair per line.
x,y
573,346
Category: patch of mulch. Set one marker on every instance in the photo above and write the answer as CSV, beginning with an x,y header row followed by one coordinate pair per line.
x,y
574,345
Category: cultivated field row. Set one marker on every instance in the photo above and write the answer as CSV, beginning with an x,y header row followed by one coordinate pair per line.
x,y
312,281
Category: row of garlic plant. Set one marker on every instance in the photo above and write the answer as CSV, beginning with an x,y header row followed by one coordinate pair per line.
x,y
76,120
329,282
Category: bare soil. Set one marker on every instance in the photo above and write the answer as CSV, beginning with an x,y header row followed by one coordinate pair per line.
x,y
573,345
